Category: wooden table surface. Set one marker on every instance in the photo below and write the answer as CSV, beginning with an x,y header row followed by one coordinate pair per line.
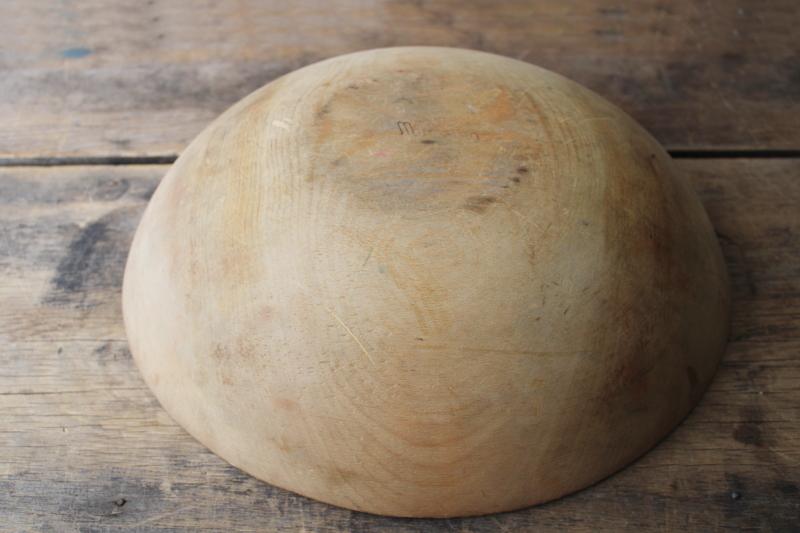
x,y
96,100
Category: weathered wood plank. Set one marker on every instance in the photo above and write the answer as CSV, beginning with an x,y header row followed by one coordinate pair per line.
x,y
142,78
85,447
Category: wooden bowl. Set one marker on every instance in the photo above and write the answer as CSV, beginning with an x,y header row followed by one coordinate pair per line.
x,y
426,282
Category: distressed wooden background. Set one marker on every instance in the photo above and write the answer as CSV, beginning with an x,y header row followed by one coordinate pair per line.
x,y
97,97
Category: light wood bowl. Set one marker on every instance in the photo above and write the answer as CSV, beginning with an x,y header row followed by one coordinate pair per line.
x,y
426,282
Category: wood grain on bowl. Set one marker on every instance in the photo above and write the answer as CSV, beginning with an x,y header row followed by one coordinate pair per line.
x,y
400,279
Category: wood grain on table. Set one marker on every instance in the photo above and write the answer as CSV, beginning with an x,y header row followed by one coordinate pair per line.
x,y
96,78
84,446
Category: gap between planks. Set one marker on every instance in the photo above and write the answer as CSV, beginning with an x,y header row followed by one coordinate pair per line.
x,y
168,159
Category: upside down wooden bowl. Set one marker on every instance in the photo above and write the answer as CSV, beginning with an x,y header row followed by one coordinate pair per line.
x,y
426,282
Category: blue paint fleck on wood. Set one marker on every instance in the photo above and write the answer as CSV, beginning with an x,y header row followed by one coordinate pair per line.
x,y
75,53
